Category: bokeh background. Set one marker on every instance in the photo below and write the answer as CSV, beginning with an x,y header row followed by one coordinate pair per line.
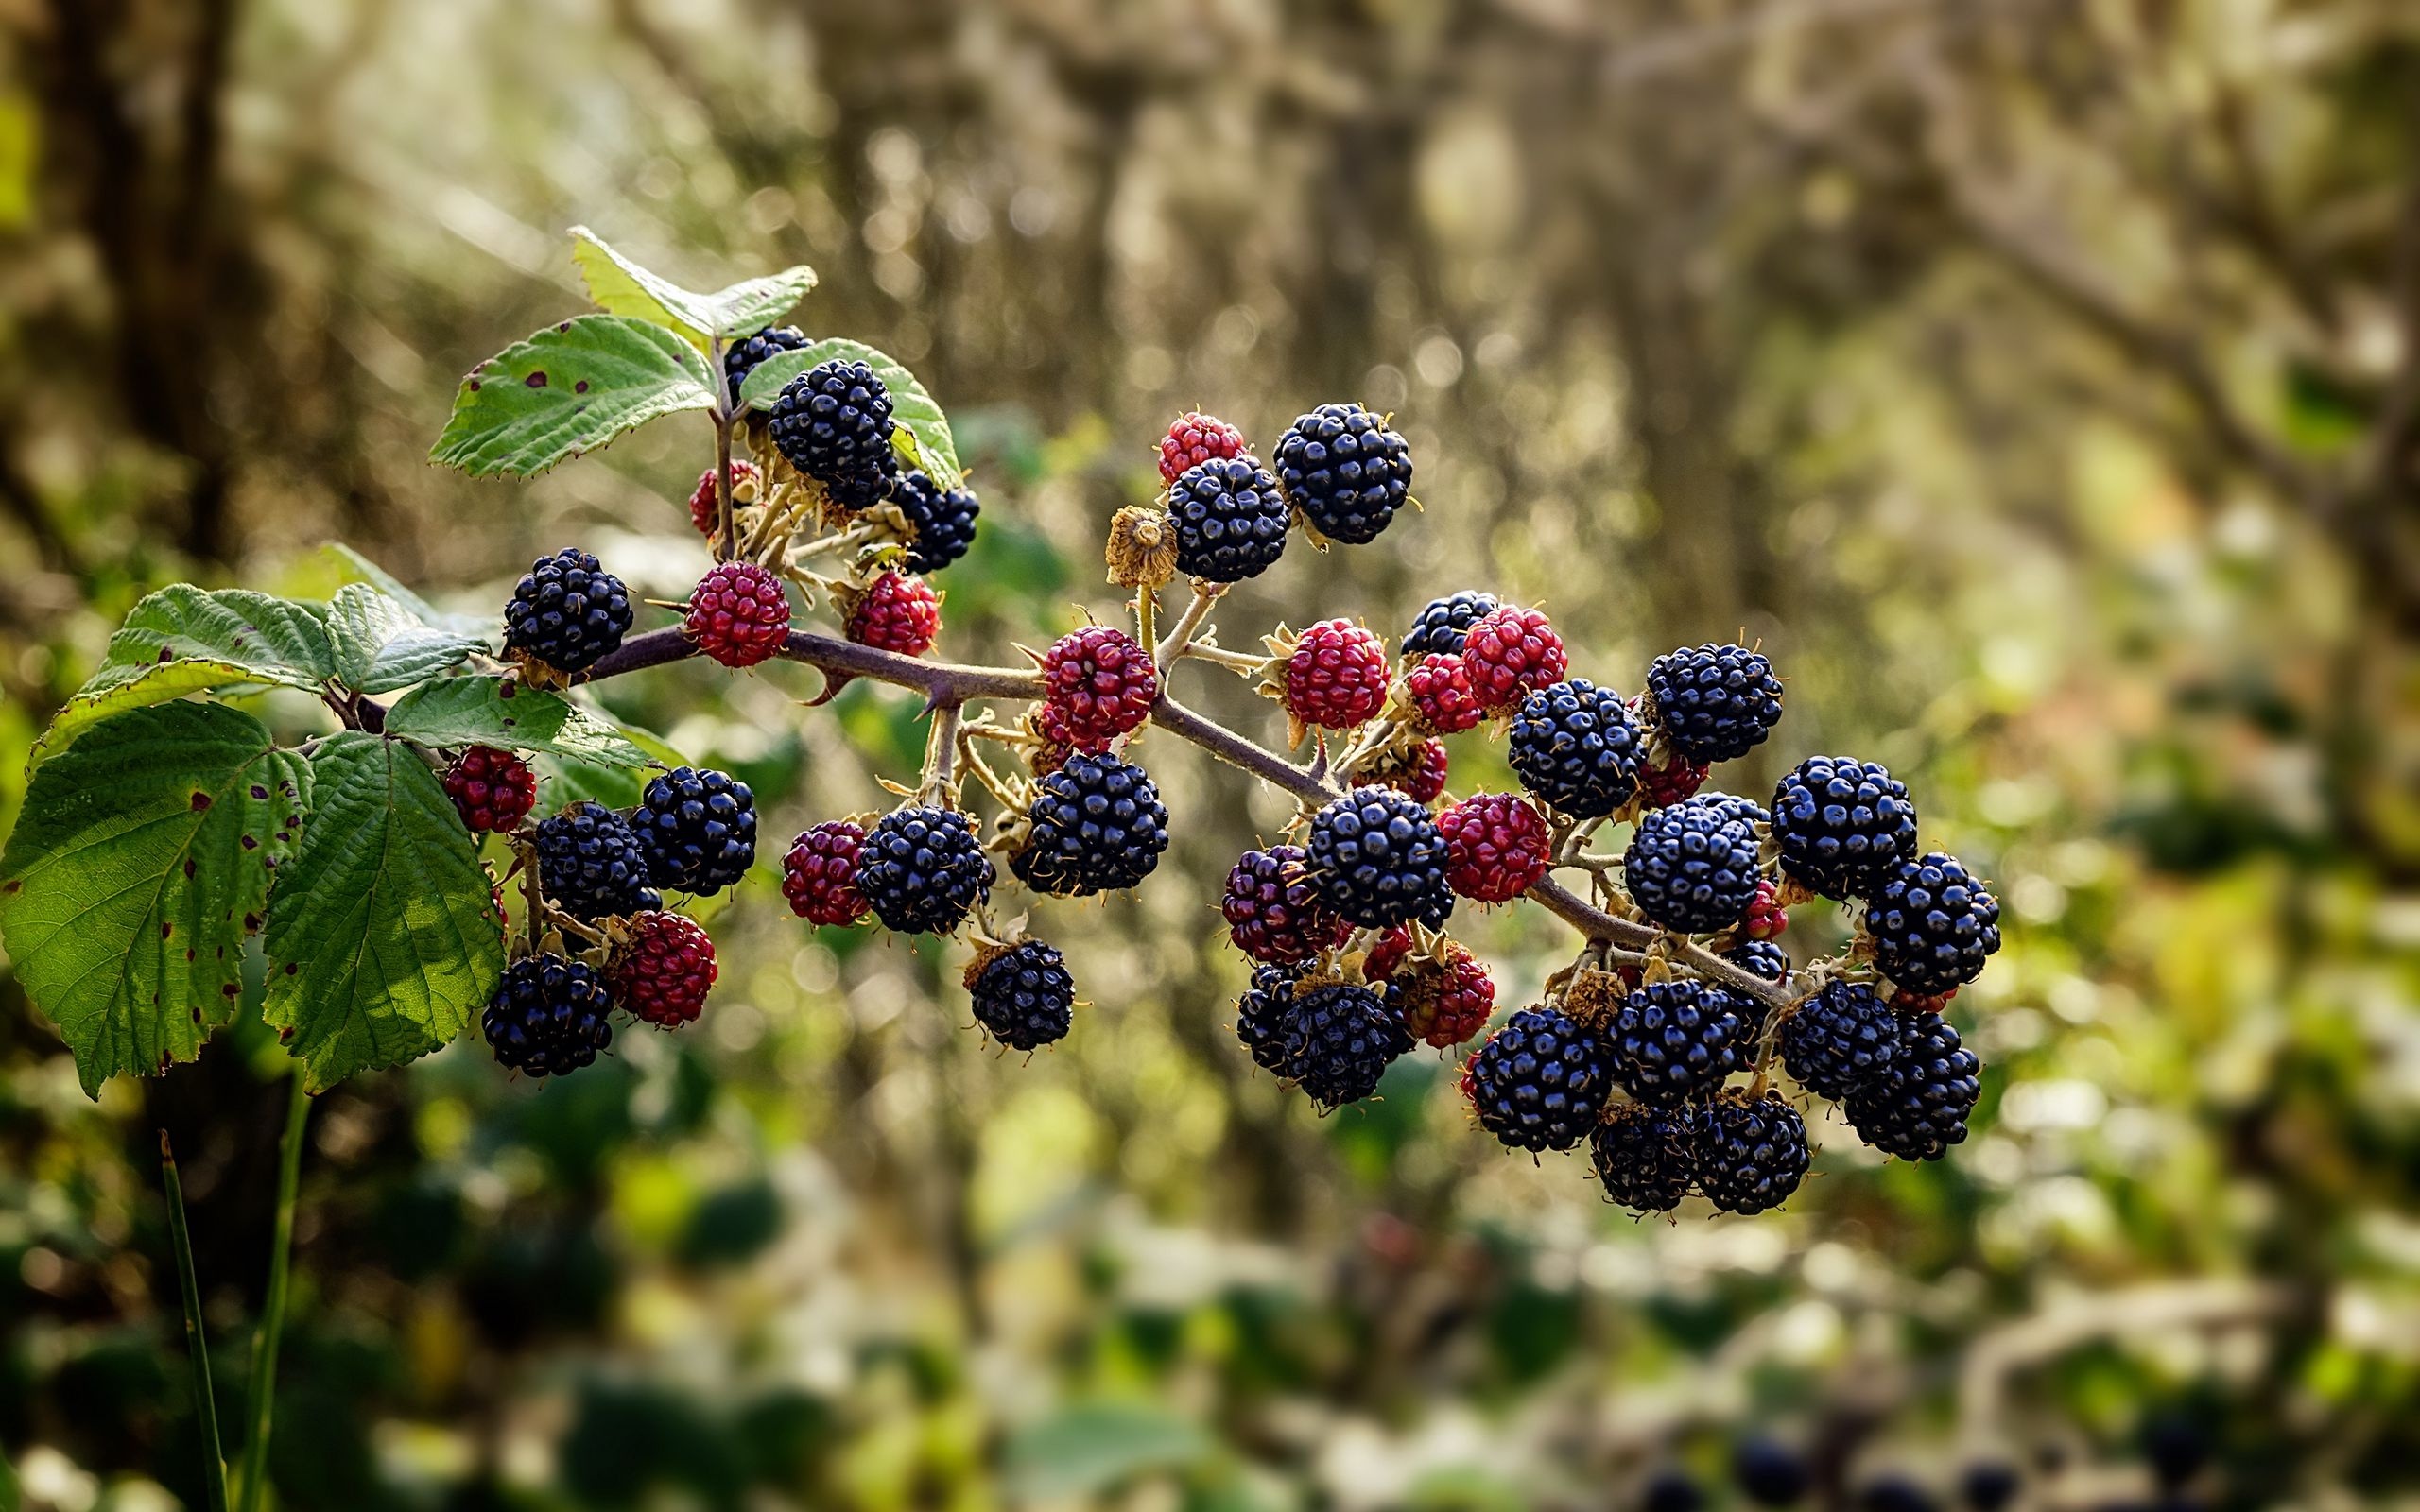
x,y
2039,380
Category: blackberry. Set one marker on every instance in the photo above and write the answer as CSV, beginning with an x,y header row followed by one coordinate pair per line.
x,y
1099,684
1098,825
833,424
942,520
706,500
895,612
1024,996
1989,1485
1510,654
1442,999
696,829
1749,1152
589,862
1344,471
1418,769
1539,1082
1573,744
1738,810
921,870
1194,439
1273,913
1769,1472
566,612
1437,689
1672,1039
1842,1040
1714,702
1376,857
1841,824
742,357
662,973
548,1015
491,789
819,873
1692,869
1642,1156
1338,1041
1764,959
1933,925
738,613
1663,783
1918,1108
1442,625
1260,1017
1230,519
1336,677
1497,845
1767,918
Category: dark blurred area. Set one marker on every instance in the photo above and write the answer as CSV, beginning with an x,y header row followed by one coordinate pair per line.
x,y
2037,380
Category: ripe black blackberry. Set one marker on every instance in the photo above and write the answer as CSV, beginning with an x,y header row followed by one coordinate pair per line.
x,y
742,357
1024,996
1344,471
941,520
1749,1152
1642,1156
1732,806
590,863
1674,1040
1439,627
696,829
1273,913
833,424
1539,1082
548,1015
1714,702
1918,1108
1841,824
921,869
1933,925
566,612
1337,1040
1377,858
1098,825
1842,1040
1691,867
1261,1015
1230,519
1573,746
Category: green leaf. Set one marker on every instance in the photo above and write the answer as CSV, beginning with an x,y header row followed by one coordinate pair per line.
x,y
183,640
929,444
140,864
383,937
623,288
380,646
486,630
1087,1449
485,711
567,390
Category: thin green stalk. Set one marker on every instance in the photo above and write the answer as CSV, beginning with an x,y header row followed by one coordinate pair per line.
x,y
281,1255
205,1406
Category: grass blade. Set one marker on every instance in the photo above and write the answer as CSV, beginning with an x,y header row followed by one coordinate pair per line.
x,y
258,1407
205,1405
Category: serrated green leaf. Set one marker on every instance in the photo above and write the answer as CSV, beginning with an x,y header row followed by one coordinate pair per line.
x,y
569,389
381,646
912,409
623,288
183,640
139,864
488,631
499,712
568,778
383,937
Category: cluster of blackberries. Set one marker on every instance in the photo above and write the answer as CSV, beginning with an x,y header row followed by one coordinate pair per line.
x,y
550,1013
1338,471
691,832
1332,1039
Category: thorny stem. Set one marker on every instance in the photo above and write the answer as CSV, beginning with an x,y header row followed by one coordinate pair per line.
x,y
947,683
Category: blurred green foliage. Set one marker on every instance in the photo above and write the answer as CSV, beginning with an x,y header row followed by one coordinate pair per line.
x,y
2035,381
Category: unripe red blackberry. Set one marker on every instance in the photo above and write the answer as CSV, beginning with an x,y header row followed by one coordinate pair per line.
x,y
1336,677
1691,868
1539,1082
1096,825
1099,684
1714,702
548,1015
1663,783
820,874
921,869
738,613
1023,996
1674,1040
1442,999
1443,624
1230,519
1749,1152
491,789
1344,471
663,971
704,505
1273,913
1767,918
1842,824
1377,858
1418,769
1438,688
896,612
1497,845
1194,439
1932,924
1510,653
1642,1156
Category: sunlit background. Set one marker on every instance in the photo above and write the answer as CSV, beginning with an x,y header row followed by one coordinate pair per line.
x,y
2038,380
